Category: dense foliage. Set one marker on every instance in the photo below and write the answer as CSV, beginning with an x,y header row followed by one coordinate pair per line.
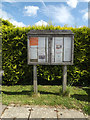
x,y
14,57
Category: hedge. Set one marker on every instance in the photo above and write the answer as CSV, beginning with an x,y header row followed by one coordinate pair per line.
x,y
14,57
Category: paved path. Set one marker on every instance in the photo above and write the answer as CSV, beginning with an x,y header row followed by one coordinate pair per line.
x,y
26,112
2,108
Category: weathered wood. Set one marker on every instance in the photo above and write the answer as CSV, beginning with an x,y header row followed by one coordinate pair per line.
x,y
28,55
64,78
45,49
72,51
35,79
63,63
49,32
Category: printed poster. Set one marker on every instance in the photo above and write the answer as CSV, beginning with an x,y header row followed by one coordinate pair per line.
x,y
67,48
58,49
33,43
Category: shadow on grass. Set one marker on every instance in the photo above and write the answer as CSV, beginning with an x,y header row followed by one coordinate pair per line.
x,y
28,93
43,92
18,93
85,98
87,91
81,97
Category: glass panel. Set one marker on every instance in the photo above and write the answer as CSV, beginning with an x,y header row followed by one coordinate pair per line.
x,y
33,43
41,49
33,51
67,48
58,49
53,50
38,49
47,49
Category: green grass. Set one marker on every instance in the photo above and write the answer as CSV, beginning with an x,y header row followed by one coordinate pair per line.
x,y
49,95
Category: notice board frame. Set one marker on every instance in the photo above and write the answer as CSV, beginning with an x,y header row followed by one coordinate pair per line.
x,y
50,34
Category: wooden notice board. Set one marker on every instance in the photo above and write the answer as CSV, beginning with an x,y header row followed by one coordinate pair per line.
x,y
50,47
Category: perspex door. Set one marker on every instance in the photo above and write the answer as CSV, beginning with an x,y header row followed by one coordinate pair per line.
x,y
67,49
38,49
57,50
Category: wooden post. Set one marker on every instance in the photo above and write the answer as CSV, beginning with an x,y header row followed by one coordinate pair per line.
x,y
35,78
64,78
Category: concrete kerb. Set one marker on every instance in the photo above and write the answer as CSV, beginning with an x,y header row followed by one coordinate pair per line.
x,y
2,109
31,111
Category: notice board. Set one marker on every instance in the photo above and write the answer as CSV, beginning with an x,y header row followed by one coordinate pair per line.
x,y
50,47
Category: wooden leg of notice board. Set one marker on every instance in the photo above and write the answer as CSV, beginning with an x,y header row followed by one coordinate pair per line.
x,y
35,78
64,78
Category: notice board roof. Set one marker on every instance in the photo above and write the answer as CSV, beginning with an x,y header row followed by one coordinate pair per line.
x,y
49,32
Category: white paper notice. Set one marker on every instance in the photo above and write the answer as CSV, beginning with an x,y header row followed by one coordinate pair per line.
x,y
53,49
58,49
67,48
47,48
41,49
33,51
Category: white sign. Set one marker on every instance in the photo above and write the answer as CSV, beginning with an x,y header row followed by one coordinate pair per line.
x,y
33,52
57,49
41,49
67,48
53,50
